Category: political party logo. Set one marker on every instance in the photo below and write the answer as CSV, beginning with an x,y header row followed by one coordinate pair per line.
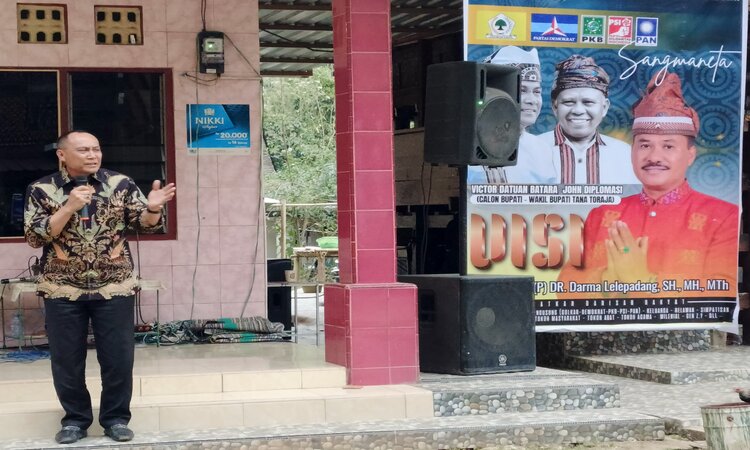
x,y
646,31
554,28
619,30
592,29
501,27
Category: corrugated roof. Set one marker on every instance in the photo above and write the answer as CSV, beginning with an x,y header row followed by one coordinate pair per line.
x,y
297,35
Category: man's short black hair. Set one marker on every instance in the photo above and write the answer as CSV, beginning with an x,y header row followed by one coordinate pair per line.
x,y
64,137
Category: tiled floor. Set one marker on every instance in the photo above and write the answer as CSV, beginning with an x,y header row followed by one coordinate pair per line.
x,y
287,367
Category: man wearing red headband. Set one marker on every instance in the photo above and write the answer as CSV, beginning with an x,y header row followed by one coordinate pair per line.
x,y
669,231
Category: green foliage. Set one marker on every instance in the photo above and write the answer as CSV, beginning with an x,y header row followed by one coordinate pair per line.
x,y
299,134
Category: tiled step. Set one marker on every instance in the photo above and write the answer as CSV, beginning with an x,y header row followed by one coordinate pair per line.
x,y
210,386
186,412
171,370
196,383
729,364
497,431
538,391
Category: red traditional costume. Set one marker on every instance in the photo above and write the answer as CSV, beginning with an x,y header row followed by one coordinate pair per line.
x,y
690,235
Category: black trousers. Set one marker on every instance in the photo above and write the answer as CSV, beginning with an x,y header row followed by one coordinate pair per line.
x,y
67,330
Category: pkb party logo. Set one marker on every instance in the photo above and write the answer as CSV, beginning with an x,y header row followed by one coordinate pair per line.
x,y
592,29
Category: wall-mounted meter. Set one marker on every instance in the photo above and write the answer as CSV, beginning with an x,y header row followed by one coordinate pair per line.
x,y
211,52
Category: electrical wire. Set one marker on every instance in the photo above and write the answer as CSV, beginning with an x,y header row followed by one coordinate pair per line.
x,y
260,225
312,49
197,208
138,304
249,64
30,267
203,14
202,81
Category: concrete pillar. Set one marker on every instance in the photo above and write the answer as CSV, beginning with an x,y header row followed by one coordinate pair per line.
x,y
371,320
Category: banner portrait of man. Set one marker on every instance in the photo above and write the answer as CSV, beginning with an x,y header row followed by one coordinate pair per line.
x,y
640,126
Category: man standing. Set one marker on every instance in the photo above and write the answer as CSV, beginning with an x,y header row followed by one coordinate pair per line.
x,y
580,154
668,231
80,216
529,168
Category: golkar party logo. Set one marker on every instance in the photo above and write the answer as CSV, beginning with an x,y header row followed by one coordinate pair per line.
x,y
554,27
501,27
619,30
592,29
646,31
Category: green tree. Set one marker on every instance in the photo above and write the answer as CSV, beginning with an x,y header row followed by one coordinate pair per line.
x,y
300,138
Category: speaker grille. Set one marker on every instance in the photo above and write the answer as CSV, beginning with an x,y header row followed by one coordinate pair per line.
x,y
475,324
472,114
498,128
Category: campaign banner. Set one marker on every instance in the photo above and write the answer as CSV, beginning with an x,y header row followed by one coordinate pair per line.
x,y
218,128
624,200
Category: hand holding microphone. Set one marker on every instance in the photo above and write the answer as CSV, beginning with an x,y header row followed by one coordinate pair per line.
x,y
80,197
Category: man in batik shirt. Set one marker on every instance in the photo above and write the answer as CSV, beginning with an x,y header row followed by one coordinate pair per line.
x,y
80,216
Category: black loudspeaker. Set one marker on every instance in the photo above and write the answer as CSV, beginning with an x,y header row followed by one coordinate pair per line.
x,y
279,298
475,324
275,268
472,114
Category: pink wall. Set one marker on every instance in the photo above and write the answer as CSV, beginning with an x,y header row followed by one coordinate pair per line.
x,y
218,195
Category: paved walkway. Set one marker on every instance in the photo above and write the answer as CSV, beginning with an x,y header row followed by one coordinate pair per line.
x,y
710,379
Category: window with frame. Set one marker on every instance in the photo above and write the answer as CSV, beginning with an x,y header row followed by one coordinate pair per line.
x,y
125,110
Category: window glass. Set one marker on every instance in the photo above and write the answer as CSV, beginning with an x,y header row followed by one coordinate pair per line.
x,y
28,127
124,110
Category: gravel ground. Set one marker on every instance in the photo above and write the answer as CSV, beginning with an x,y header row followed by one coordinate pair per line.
x,y
669,443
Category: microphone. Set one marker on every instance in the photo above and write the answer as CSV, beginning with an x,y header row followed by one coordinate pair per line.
x,y
84,212
19,280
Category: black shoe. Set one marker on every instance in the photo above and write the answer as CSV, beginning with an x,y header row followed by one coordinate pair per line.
x,y
69,434
119,432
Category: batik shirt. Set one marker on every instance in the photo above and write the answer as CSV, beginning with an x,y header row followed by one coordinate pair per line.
x,y
89,259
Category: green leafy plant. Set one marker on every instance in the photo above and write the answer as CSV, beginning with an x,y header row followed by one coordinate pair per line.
x,y
300,138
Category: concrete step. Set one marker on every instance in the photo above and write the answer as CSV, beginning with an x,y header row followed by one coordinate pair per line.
x,y
189,383
679,405
186,412
185,388
172,371
498,431
729,364
538,391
